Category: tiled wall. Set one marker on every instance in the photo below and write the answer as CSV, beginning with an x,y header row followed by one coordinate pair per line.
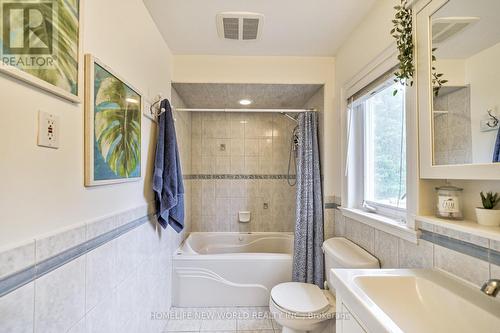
x,y
243,144
394,252
452,130
111,288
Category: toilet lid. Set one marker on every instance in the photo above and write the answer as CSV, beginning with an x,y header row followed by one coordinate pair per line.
x,y
299,297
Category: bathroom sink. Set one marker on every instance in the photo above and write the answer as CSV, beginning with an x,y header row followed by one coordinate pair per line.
x,y
415,301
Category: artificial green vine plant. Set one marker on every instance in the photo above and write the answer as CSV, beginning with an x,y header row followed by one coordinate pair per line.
x,y
403,34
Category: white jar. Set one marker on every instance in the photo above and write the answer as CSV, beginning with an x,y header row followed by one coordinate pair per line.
x,y
449,202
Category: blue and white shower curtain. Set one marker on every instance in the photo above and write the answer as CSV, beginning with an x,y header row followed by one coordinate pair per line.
x,y
308,264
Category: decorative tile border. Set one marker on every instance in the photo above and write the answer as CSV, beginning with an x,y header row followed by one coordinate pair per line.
x,y
235,176
331,205
483,253
29,274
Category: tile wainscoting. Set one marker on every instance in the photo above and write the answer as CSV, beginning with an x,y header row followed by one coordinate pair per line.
x,y
107,276
471,258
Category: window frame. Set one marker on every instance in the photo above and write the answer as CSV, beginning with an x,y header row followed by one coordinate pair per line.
x,y
358,125
397,213
349,183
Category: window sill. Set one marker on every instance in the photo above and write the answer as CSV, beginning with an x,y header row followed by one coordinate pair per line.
x,y
382,223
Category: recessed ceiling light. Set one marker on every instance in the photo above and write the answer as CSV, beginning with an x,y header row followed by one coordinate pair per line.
x,y
245,102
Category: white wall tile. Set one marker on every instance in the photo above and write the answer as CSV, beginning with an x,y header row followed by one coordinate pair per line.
x,y
17,258
494,271
126,247
79,327
101,226
415,255
222,165
252,147
469,268
360,234
252,165
329,229
339,223
237,164
223,188
237,146
50,245
100,277
386,249
17,309
60,297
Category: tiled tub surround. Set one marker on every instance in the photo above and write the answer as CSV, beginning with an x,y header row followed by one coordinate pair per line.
x,y
241,144
452,129
114,287
474,259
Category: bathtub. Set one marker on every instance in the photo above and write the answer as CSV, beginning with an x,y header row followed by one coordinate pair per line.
x,y
219,269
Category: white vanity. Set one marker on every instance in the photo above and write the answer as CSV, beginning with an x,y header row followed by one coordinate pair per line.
x,y
404,300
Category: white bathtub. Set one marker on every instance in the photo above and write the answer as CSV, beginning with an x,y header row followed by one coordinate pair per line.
x,y
215,269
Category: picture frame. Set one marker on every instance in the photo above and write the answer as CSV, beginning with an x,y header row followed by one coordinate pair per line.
x,y
56,59
113,119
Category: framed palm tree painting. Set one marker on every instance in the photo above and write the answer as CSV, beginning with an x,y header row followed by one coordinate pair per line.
x,y
40,43
112,126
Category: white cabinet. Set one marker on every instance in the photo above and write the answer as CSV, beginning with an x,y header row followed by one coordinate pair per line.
x,y
347,322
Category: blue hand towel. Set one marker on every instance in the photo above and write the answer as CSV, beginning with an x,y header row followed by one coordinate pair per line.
x,y
167,178
496,150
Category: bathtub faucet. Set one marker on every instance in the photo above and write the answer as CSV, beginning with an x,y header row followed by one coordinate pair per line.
x,y
491,287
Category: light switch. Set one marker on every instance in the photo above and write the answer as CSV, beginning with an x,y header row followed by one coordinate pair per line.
x,y
48,130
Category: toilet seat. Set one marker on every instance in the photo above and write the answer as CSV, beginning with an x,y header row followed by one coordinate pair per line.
x,y
300,299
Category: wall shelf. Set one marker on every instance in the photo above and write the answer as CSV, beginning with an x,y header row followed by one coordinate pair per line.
x,y
469,227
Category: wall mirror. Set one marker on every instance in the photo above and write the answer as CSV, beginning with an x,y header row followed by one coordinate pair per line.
x,y
458,46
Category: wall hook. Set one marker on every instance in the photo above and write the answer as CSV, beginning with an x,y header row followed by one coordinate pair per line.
x,y
493,122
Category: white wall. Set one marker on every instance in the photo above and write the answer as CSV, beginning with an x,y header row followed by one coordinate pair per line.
x,y
291,70
483,75
453,70
42,189
363,45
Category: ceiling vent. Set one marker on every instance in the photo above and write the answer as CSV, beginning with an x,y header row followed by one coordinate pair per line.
x,y
444,28
239,25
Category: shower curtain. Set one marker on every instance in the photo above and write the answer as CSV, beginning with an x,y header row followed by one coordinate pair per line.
x,y
308,256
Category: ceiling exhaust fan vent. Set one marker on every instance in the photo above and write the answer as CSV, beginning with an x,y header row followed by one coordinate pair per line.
x,y
239,25
444,28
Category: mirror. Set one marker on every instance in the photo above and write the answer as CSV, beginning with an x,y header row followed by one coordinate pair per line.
x,y
466,82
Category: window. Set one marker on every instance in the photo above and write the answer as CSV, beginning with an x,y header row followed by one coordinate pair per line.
x,y
385,147
379,157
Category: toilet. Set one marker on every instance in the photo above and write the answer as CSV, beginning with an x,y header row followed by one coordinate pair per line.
x,y
302,307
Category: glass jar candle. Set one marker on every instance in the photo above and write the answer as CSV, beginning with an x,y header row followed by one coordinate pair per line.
x,y
449,202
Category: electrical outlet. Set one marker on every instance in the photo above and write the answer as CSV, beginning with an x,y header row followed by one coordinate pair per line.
x,y
48,130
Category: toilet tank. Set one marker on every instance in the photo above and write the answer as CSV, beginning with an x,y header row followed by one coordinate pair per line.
x,y
342,253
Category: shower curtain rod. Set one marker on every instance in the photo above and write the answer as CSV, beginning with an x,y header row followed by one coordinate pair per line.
x,y
245,110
